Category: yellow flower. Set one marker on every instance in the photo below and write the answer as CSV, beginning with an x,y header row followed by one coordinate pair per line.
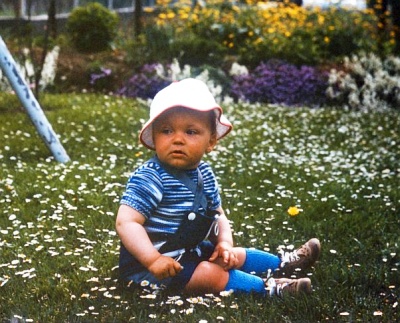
x,y
170,15
293,211
259,40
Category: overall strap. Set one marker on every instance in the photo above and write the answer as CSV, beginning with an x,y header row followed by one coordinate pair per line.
x,y
197,189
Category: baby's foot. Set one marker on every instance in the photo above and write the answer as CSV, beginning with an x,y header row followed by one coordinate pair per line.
x,y
299,259
284,286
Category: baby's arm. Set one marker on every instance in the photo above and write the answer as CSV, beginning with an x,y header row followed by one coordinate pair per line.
x,y
224,253
129,226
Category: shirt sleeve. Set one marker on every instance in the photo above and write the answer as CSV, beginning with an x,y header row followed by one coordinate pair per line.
x,y
144,191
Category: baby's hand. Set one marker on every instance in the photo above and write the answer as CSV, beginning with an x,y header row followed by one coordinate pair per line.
x,y
164,267
224,255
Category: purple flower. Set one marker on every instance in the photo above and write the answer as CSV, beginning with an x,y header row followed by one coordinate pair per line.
x,y
144,84
104,73
278,82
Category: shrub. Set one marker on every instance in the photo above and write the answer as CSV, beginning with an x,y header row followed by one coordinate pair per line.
x,y
195,51
366,83
26,69
346,32
305,35
101,78
161,44
279,82
258,32
92,28
153,77
153,45
144,84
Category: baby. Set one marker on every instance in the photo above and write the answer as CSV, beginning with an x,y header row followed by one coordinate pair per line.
x,y
173,229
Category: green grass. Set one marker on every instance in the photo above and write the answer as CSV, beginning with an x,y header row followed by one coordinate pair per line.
x,y
59,250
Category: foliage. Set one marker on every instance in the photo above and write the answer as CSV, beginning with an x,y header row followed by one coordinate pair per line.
x,y
8,102
278,82
163,45
363,83
92,28
196,51
144,84
26,69
151,46
101,78
151,78
258,32
59,249
367,83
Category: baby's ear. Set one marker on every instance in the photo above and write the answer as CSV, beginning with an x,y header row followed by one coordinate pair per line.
x,y
211,145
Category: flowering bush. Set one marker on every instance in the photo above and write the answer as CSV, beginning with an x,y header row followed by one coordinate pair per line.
x,y
261,31
272,82
26,70
366,83
144,84
278,82
101,79
153,77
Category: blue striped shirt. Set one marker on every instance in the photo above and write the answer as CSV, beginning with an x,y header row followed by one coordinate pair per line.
x,y
162,199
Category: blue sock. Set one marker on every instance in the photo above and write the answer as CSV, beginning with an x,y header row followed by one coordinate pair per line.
x,y
241,282
258,262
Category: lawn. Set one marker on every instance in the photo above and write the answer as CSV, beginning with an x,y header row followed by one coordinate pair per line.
x,y
59,249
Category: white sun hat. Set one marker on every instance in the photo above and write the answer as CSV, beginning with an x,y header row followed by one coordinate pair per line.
x,y
188,93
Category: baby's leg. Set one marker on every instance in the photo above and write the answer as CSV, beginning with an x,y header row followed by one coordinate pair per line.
x,y
207,278
258,262
240,255
211,278
253,261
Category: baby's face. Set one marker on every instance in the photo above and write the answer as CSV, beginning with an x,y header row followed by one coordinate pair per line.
x,y
182,136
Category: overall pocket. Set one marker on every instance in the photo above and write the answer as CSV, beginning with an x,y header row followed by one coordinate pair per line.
x,y
193,229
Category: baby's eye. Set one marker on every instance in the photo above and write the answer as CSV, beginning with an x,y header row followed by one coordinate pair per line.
x,y
191,132
166,131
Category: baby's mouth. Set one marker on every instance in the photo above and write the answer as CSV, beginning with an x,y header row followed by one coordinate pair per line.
x,y
178,153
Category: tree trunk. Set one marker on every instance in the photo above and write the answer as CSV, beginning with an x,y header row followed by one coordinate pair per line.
x,y
52,20
49,34
138,17
17,8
